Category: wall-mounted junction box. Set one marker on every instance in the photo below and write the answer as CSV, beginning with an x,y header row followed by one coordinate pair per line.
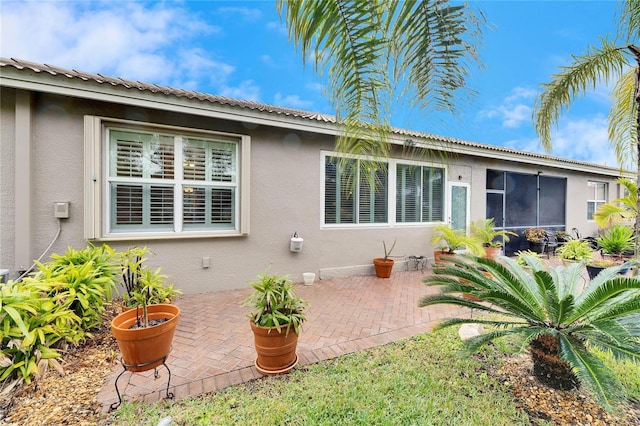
x,y
61,210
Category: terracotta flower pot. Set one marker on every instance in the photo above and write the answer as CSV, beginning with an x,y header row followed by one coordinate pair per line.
x,y
440,257
145,348
383,267
492,252
276,350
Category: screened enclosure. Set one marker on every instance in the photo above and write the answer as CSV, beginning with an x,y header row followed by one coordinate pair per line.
x,y
518,201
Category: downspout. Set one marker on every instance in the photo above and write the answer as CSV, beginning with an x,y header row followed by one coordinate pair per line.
x,y
23,230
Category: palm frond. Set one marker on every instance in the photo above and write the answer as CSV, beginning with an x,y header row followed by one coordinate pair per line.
x,y
586,71
443,299
590,370
598,298
367,48
528,333
623,122
435,46
630,20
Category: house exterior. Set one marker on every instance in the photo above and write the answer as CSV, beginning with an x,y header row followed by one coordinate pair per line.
x,y
218,187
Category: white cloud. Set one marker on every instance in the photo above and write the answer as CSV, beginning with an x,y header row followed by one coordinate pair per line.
x,y
278,27
583,139
292,101
247,90
515,108
124,39
245,12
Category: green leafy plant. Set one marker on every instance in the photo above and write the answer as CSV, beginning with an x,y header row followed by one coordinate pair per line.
x,y
560,323
575,250
273,303
617,240
484,231
144,286
32,325
450,240
521,256
84,278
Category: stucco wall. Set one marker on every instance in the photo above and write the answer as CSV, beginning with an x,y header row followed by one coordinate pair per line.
x,y
284,193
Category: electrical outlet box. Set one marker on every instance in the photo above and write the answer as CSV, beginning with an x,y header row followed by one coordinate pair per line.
x,y
61,210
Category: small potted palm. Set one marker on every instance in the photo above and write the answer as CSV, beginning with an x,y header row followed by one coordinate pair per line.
x,y
615,244
491,239
276,316
449,240
145,332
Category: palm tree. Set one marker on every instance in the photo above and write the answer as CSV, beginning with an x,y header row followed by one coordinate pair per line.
x,y
559,321
375,52
623,209
602,64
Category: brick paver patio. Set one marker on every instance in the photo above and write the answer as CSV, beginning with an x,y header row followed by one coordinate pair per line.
x,y
213,344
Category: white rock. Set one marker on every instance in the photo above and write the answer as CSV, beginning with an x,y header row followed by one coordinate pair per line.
x,y
467,331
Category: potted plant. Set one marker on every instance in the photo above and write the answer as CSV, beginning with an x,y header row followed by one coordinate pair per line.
x,y
449,240
276,315
384,265
155,286
491,239
522,255
594,267
535,237
575,251
144,334
563,237
617,241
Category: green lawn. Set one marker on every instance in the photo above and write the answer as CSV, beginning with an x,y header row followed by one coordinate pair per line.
x,y
424,380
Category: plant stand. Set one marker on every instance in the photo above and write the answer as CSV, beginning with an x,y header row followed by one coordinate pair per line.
x,y
138,368
416,262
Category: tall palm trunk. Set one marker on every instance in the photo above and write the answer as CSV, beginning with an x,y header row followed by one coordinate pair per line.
x,y
636,53
548,367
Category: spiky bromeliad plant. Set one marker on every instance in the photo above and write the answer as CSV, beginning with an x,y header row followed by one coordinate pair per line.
x,y
560,322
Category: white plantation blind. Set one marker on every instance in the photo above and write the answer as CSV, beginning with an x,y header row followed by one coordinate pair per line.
x,y
144,182
355,191
419,193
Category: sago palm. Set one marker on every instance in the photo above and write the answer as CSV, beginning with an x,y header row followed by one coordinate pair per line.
x,y
560,322
374,52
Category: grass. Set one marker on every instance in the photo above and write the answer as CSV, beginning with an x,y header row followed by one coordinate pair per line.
x,y
426,380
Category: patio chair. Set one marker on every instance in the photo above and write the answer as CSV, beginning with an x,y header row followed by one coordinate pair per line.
x,y
550,242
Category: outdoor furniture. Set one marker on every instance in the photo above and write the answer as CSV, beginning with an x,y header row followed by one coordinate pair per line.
x,y
416,262
550,243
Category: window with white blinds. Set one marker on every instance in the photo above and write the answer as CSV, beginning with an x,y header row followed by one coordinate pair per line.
x,y
356,191
359,191
419,193
160,182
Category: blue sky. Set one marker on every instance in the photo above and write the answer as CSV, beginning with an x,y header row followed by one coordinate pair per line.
x,y
240,49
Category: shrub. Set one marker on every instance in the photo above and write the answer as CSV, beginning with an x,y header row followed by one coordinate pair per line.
x,y
30,325
85,278
561,323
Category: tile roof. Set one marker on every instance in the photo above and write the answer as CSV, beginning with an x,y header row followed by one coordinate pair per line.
x,y
264,108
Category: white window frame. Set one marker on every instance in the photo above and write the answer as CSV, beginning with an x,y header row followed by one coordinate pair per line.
x,y
392,164
324,156
97,196
593,190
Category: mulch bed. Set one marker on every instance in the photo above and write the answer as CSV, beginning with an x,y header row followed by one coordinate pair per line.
x,y
71,399
544,404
